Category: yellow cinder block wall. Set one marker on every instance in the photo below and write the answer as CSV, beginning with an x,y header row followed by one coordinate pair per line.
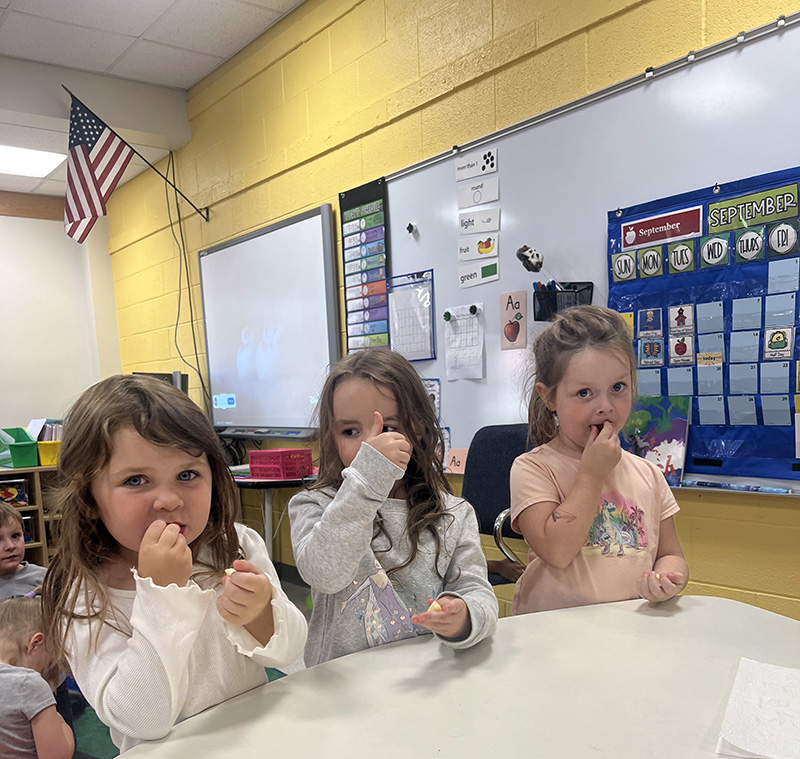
x,y
343,91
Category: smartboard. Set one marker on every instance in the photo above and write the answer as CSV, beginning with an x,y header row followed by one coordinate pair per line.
x,y
729,113
269,307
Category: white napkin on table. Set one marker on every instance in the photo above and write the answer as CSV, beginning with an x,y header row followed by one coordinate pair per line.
x,y
763,714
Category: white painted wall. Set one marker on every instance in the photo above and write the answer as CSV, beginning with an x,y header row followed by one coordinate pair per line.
x,y
53,294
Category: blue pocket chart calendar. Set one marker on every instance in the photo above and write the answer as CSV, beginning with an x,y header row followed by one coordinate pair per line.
x,y
727,288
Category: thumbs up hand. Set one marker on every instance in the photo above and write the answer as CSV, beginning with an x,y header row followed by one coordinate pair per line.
x,y
393,445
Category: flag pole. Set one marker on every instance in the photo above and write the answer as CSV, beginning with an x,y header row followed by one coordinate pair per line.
x,y
203,212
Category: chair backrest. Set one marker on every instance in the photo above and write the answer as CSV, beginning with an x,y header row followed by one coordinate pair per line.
x,y
489,459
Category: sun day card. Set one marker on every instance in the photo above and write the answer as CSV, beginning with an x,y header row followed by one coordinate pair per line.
x,y
513,320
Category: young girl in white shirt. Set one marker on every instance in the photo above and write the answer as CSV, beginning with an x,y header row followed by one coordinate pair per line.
x,y
136,599
381,535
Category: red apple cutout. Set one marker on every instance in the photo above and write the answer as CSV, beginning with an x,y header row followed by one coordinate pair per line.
x,y
680,346
511,331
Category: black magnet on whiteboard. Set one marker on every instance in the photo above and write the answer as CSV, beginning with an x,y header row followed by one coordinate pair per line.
x,y
411,228
691,56
447,316
741,37
455,148
473,310
648,72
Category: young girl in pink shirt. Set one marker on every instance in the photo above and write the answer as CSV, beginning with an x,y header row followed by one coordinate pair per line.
x,y
597,519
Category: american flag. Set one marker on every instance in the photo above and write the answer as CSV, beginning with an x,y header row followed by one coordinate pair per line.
x,y
97,158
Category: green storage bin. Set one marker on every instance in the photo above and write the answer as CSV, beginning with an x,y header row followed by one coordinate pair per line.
x,y
23,449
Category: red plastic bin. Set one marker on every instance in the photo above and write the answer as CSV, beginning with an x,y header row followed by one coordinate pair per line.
x,y
281,463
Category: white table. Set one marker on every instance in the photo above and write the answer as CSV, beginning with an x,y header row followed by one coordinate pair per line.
x,y
619,680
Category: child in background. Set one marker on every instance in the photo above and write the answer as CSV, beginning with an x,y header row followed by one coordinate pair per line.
x,y
30,726
597,519
17,576
380,534
137,599
20,578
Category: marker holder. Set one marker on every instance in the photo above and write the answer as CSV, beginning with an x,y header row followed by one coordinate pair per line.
x,y
547,304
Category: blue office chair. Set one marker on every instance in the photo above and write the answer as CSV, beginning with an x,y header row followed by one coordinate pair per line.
x,y
489,459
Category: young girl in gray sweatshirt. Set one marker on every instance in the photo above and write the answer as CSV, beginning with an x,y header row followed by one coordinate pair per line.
x,y
380,536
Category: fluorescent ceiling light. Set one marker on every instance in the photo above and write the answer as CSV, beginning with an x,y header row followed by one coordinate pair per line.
x,y
28,163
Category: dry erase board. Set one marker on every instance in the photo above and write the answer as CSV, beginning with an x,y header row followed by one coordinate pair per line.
x,y
726,115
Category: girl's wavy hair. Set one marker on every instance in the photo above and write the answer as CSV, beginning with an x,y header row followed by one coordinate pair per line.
x,y
162,415
424,480
577,329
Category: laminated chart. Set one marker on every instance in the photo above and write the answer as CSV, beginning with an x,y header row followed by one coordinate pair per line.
x,y
365,264
711,279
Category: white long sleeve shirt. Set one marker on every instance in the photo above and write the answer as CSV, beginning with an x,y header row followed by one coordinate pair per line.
x,y
166,654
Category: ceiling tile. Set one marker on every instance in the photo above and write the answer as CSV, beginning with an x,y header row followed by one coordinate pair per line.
x,y
152,62
216,27
35,139
13,183
121,16
38,39
282,6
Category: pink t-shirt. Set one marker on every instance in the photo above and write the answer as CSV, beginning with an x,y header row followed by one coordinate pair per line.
x,y
622,541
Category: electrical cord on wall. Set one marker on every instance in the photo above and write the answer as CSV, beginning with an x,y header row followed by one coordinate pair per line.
x,y
183,263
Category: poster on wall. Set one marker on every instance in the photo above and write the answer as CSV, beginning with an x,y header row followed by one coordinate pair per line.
x,y
710,279
365,253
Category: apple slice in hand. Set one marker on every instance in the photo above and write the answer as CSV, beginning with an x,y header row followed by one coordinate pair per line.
x,y
435,606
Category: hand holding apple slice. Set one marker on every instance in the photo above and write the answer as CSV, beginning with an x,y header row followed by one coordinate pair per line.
x,y
435,606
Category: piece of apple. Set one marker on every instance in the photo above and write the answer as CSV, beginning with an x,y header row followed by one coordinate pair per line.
x,y
229,571
435,606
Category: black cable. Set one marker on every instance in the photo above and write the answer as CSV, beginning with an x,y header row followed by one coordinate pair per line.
x,y
182,259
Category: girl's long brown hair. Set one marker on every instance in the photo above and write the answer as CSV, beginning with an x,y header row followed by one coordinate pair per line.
x,y
577,329
424,480
162,415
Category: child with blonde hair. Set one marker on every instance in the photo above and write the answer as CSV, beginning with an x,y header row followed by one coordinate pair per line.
x,y
30,726
137,598
380,536
597,519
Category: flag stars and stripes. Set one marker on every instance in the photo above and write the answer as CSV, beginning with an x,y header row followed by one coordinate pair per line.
x,y
96,161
